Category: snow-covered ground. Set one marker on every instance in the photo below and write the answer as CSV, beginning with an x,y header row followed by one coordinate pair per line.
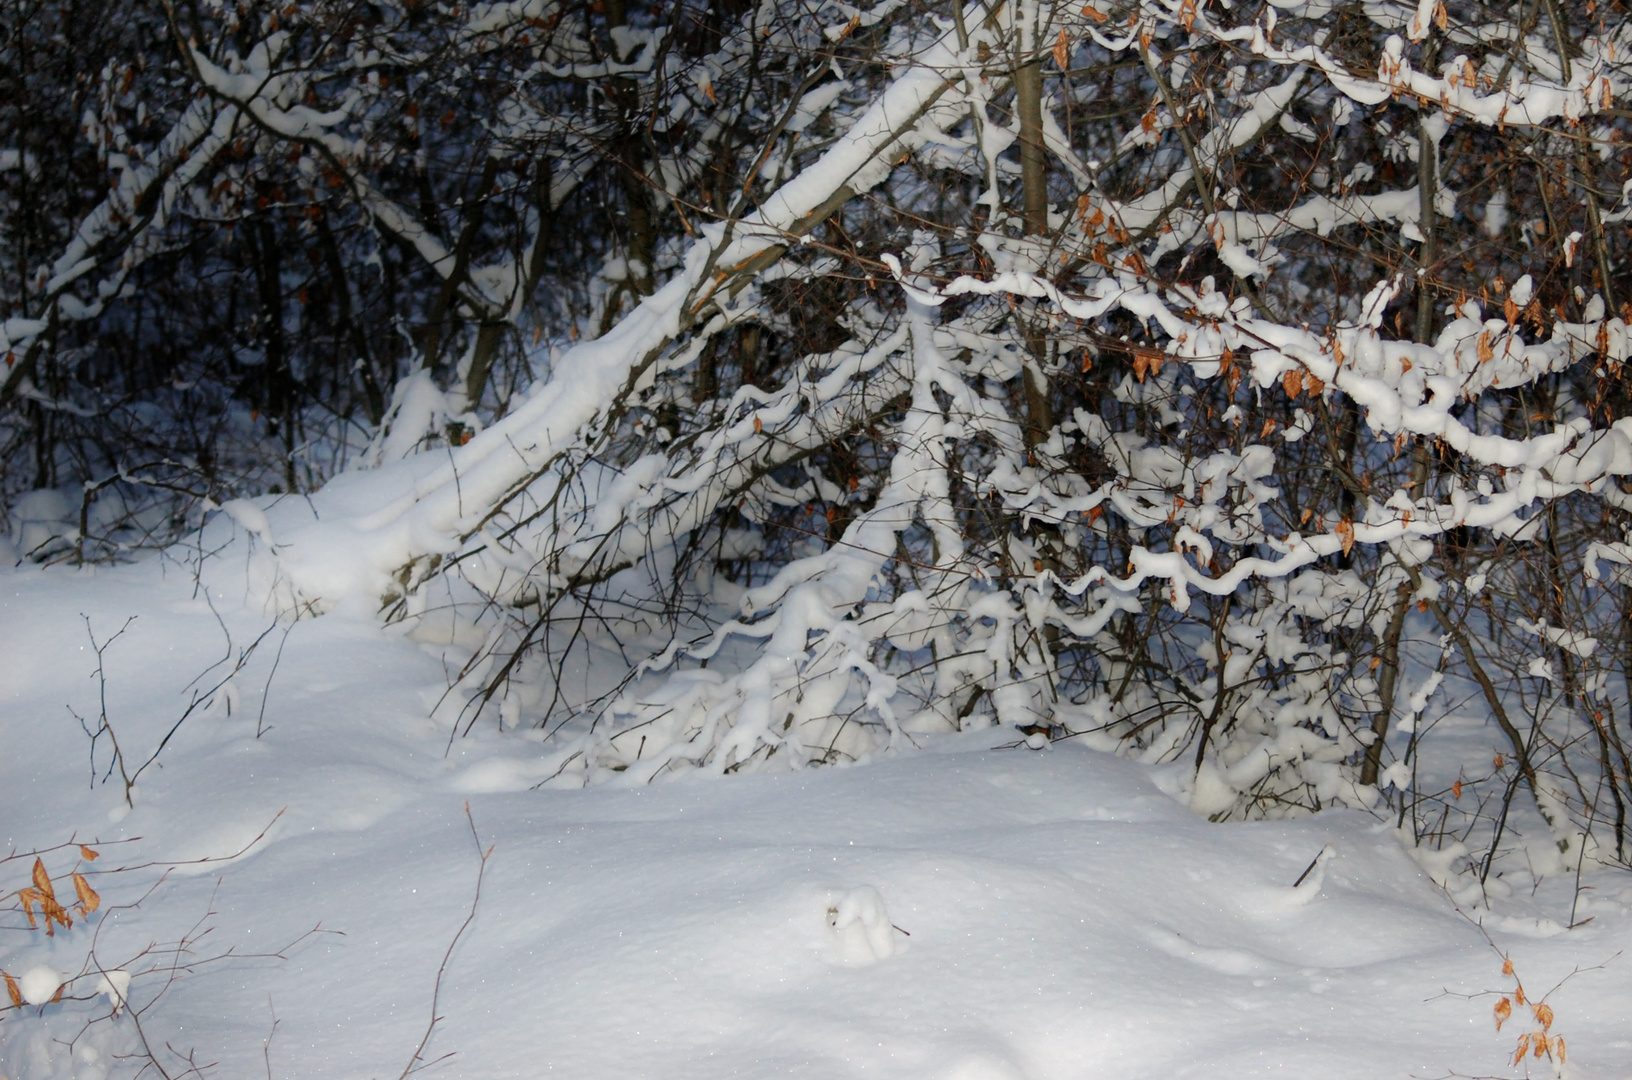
x,y
978,911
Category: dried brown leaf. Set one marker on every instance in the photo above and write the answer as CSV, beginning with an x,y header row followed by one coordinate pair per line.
x,y
42,880
89,901
54,913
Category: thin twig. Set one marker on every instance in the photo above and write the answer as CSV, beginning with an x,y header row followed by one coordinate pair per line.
x,y
415,1063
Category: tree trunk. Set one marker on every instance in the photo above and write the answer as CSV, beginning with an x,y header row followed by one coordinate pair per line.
x,y
1028,96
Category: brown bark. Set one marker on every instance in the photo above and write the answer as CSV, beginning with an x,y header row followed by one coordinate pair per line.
x,y
1028,96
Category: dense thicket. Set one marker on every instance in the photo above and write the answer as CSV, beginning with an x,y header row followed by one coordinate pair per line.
x,y
1153,373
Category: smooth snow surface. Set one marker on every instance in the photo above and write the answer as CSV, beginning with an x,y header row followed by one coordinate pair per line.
x,y
965,913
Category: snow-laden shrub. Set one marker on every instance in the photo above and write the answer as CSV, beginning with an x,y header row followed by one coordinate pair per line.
x,y
1151,373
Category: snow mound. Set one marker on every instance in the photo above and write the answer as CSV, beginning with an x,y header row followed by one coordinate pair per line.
x,y
861,930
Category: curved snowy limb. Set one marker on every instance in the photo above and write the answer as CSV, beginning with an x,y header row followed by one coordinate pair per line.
x,y
585,538
139,203
256,92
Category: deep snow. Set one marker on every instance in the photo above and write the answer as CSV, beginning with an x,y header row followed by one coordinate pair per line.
x,y
1001,912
